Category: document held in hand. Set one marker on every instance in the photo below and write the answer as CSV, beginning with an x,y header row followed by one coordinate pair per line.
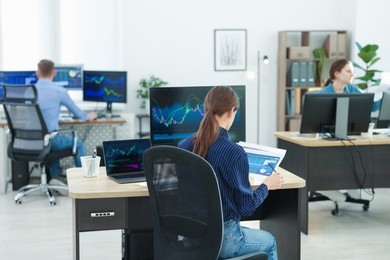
x,y
262,159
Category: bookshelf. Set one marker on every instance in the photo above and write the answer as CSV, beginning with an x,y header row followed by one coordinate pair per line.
x,y
296,73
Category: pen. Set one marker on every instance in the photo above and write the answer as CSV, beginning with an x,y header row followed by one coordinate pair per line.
x,y
273,169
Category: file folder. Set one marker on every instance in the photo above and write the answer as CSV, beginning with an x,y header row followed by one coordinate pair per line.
x,y
303,74
310,74
293,75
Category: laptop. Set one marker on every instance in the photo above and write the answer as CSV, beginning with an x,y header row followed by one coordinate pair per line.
x,y
123,159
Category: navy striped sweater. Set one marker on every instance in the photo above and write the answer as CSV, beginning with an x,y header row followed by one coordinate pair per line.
x,y
230,164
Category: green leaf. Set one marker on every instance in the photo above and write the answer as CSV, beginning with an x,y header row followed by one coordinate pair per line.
x,y
358,46
357,66
362,85
373,61
369,56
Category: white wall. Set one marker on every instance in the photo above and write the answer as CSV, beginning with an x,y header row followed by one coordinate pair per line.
x,y
90,33
372,22
173,39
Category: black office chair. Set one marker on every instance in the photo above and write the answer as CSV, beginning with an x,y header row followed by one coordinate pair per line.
x,y
30,139
186,205
323,195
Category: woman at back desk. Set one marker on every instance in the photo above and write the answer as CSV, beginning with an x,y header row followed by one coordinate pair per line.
x,y
340,79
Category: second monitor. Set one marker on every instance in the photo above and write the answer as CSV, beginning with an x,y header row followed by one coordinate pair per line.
x,y
105,86
339,114
69,76
175,113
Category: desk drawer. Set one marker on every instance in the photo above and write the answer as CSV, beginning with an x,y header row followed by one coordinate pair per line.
x,y
100,214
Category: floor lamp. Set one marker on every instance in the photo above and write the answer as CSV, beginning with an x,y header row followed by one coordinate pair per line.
x,y
265,61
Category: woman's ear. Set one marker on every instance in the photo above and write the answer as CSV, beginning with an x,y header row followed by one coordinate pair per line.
x,y
336,74
232,112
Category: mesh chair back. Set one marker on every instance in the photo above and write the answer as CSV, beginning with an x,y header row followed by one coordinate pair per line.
x,y
26,123
186,204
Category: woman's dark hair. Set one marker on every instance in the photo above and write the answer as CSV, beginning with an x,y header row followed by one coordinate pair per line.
x,y
337,66
219,100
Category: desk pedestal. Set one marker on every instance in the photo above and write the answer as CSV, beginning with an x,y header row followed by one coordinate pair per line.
x,y
336,168
131,215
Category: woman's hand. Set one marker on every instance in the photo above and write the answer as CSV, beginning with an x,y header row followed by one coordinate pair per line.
x,y
274,181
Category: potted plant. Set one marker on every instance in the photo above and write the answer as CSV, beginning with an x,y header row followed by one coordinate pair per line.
x,y
320,60
369,57
145,85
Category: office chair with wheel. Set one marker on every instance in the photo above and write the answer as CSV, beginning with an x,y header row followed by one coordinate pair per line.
x,y
336,197
186,205
29,138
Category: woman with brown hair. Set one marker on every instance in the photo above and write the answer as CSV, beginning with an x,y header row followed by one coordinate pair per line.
x,y
230,164
340,79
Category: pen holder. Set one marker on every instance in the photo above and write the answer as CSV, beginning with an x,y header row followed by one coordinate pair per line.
x,y
90,166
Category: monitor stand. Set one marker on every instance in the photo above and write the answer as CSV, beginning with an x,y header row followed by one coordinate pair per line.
x,y
341,127
109,111
341,124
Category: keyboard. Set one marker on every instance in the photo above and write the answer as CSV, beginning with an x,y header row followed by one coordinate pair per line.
x,y
384,131
101,115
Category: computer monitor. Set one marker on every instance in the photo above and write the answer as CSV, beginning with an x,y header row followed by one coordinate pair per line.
x,y
384,112
176,112
339,114
69,76
105,86
18,77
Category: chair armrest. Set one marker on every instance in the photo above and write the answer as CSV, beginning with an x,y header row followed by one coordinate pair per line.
x,y
71,131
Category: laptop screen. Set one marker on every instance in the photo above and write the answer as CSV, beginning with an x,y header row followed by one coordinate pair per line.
x,y
124,156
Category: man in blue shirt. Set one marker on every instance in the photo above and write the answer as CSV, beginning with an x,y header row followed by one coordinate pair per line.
x,y
50,98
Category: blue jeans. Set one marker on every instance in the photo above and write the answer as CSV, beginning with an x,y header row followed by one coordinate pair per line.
x,y
62,142
239,240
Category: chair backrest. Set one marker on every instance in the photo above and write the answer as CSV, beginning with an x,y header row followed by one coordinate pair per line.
x,y
26,123
186,204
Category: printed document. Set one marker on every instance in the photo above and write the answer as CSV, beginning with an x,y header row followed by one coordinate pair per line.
x,y
263,160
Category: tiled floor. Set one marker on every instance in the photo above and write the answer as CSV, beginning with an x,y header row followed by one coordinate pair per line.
x,y
36,230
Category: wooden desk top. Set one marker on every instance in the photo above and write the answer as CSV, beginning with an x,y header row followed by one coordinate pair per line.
x,y
100,121
313,141
102,187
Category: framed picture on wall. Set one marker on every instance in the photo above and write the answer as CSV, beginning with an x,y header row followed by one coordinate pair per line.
x,y
229,49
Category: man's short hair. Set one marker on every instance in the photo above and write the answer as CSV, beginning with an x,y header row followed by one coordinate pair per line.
x,y
46,67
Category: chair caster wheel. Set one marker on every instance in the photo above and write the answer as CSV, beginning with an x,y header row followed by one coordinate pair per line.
x,y
335,211
53,203
18,202
365,207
